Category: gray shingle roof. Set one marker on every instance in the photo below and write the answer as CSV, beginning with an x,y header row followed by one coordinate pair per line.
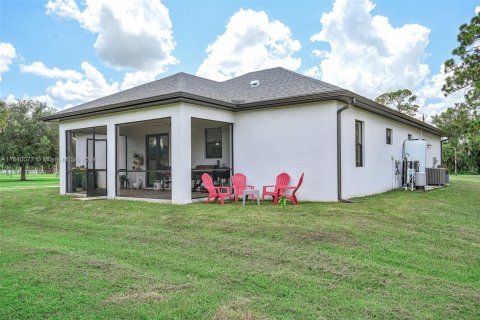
x,y
179,82
278,86
275,83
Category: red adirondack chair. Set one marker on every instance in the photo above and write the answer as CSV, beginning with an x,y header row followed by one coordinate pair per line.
x,y
291,196
283,180
239,183
215,192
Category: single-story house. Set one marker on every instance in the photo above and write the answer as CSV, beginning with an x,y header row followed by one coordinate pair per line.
x,y
155,140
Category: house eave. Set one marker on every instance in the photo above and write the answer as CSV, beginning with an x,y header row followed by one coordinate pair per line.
x,y
371,106
142,103
346,97
339,95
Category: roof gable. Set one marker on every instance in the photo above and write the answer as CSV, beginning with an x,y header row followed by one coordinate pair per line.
x,y
275,83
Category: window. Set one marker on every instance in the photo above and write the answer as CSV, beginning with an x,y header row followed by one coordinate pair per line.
x,y
409,137
389,136
359,143
213,146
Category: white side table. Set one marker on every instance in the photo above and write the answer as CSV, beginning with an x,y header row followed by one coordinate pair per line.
x,y
251,192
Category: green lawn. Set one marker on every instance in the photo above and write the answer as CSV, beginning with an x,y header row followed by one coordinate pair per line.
x,y
396,255
33,181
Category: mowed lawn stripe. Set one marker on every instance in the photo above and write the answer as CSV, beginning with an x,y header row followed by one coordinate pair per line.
x,y
394,255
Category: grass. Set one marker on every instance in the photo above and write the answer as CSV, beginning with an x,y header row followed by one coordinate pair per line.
x,y
395,255
34,181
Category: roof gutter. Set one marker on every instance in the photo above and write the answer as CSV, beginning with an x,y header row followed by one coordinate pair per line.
x,y
373,107
143,103
339,150
339,95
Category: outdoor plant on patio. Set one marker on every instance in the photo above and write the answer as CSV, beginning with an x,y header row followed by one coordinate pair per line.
x,y
123,180
79,177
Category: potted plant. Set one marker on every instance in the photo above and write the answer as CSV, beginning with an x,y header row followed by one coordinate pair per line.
x,y
79,178
123,181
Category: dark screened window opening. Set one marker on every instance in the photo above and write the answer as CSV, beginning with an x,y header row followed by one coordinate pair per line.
x,y
409,137
358,143
213,138
389,136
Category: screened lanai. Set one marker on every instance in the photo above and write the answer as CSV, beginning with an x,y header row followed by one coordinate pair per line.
x,y
144,157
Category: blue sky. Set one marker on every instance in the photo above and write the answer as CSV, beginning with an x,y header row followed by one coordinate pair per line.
x,y
69,52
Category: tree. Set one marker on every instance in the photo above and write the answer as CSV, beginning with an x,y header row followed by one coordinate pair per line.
x,y
401,100
465,73
3,115
25,139
462,122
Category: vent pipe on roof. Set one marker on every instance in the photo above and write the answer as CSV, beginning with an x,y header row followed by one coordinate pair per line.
x,y
254,83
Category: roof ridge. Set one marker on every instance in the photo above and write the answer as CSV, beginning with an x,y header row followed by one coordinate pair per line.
x,y
311,79
180,83
195,76
245,74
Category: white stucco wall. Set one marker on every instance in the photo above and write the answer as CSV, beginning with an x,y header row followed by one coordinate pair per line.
x,y
266,142
294,139
377,173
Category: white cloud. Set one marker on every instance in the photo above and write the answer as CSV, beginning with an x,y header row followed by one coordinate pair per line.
x,y
45,99
367,54
10,99
39,69
477,9
135,34
250,42
313,72
431,97
133,79
7,54
42,98
319,53
91,85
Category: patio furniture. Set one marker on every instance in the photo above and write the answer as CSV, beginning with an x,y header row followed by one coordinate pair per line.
x,y
251,192
166,177
124,182
138,184
220,176
157,185
282,181
291,197
215,192
239,183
